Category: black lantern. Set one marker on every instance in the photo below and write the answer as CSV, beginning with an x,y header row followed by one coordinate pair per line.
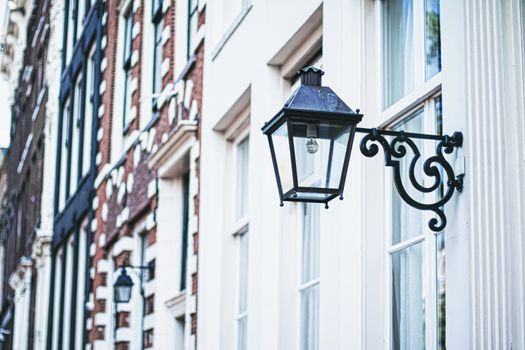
x,y
310,142
123,287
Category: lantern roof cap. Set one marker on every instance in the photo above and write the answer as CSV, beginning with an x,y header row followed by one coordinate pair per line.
x,y
123,280
311,99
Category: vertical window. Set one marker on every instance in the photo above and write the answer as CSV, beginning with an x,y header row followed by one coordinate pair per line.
x,y
411,58
184,240
81,275
66,313
417,255
42,69
75,138
81,13
180,333
64,148
242,291
398,49
193,15
309,281
411,53
241,147
148,338
440,253
242,178
70,32
157,58
56,299
88,114
432,38
126,67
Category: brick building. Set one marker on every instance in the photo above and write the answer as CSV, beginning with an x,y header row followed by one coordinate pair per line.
x,y
151,95
75,170
26,218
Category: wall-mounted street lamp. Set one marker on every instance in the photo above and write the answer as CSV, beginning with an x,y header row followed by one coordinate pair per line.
x,y
315,130
124,285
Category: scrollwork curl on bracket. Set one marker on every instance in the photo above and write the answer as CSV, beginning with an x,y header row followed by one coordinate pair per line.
x,y
397,149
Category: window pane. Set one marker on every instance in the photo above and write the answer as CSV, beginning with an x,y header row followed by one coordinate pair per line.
x,y
192,25
310,245
128,37
398,50
439,115
68,297
75,139
282,157
127,97
242,177
70,32
88,113
309,338
243,273
56,302
242,339
184,240
408,299
432,38
64,156
157,62
407,222
81,9
81,278
441,289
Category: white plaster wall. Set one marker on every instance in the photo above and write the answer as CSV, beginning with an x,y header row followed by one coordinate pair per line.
x,y
273,297
484,235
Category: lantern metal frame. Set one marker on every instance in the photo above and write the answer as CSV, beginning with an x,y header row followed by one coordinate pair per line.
x,y
142,272
322,104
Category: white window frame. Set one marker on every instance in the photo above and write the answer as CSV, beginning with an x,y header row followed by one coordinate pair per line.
x,y
65,146
81,284
306,285
75,139
117,129
146,84
236,136
238,132
70,244
422,96
241,314
126,66
427,238
81,13
158,25
57,291
423,88
70,40
89,109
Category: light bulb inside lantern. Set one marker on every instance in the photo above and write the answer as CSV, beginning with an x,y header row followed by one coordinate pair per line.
x,y
312,146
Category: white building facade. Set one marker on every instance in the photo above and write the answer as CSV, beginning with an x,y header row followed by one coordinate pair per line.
x,y
367,273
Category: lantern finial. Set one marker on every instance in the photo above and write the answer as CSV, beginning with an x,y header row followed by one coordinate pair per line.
x,y
311,76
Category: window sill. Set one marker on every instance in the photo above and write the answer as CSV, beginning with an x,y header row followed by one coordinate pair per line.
x,y
233,27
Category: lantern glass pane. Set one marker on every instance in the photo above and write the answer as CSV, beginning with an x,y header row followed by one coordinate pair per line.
x,y
319,154
340,147
282,156
123,294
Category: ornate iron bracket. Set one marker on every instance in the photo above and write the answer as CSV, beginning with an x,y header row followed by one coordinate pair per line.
x,y
142,272
434,167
